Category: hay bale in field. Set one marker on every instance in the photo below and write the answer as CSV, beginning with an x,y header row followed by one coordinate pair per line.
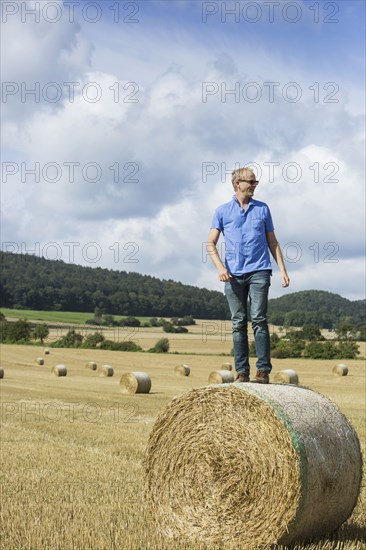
x,y
281,462
221,377
340,370
59,370
286,376
182,370
106,370
135,382
1,372
46,351
91,365
226,366
40,361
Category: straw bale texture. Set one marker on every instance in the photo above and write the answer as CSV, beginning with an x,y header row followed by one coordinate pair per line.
x,y
227,366
91,365
182,370
59,370
251,464
221,377
106,370
46,351
135,382
286,376
1,373
40,361
340,370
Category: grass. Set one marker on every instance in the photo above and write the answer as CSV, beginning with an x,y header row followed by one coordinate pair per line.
x,y
55,316
71,448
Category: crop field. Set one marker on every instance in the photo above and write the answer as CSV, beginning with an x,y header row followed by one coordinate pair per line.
x,y
72,447
54,316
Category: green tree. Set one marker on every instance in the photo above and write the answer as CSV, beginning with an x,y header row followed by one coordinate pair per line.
x,y
274,340
321,350
347,350
41,332
346,329
288,348
92,340
98,314
71,340
19,331
362,334
311,332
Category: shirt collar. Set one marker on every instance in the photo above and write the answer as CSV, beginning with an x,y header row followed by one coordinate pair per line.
x,y
251,201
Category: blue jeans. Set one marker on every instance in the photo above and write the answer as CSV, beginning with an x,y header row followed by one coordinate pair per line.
x,y
254,286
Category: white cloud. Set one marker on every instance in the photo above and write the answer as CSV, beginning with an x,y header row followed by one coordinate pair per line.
x,y
168,135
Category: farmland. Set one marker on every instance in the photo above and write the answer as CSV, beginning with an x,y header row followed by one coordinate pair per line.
x,y
72,447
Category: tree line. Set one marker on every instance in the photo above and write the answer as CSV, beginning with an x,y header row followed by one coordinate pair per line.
x,y
30,282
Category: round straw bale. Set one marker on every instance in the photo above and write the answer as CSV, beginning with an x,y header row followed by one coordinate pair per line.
x,y
340,370
135,382
106,370
286,376
59,370
182,370
91,365
226,366
1,372
280,461
40,361
221,377
46,351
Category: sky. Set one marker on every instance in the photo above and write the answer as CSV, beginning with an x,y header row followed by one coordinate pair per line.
x,y
122,122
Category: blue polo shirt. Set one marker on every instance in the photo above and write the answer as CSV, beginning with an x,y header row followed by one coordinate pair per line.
x,y
246,247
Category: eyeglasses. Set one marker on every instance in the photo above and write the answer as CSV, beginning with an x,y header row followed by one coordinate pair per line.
x,y
253,182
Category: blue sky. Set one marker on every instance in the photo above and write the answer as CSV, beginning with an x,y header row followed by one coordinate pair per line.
x,y
132,180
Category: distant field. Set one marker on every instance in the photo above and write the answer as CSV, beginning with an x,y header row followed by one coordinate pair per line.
x,y
55,316
72,448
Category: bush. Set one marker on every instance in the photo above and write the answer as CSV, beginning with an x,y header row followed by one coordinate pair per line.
x,y
93,322
71,340
169,327
129,322
320,350
185,321
311,332
20,331
128,345
274,340
161,346
92,340
180,329
347,350
288,348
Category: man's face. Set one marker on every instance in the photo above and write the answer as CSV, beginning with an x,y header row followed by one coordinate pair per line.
x,y
246,184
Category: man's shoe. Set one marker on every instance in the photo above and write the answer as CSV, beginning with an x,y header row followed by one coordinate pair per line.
x,y
262,377
242,377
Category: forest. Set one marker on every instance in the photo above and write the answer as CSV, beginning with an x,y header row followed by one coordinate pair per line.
x,y
31,282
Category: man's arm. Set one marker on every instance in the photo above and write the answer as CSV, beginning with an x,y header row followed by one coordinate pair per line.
x,y
277,255
211,248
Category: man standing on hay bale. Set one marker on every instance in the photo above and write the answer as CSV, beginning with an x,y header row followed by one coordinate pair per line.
x,y
249,235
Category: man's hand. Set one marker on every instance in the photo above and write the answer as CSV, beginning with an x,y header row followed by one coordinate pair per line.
x,y
224,274
285,279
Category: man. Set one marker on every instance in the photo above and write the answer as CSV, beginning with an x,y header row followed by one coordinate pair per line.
x,y
248,230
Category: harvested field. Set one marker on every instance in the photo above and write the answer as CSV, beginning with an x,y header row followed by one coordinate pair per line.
x,y
80,424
